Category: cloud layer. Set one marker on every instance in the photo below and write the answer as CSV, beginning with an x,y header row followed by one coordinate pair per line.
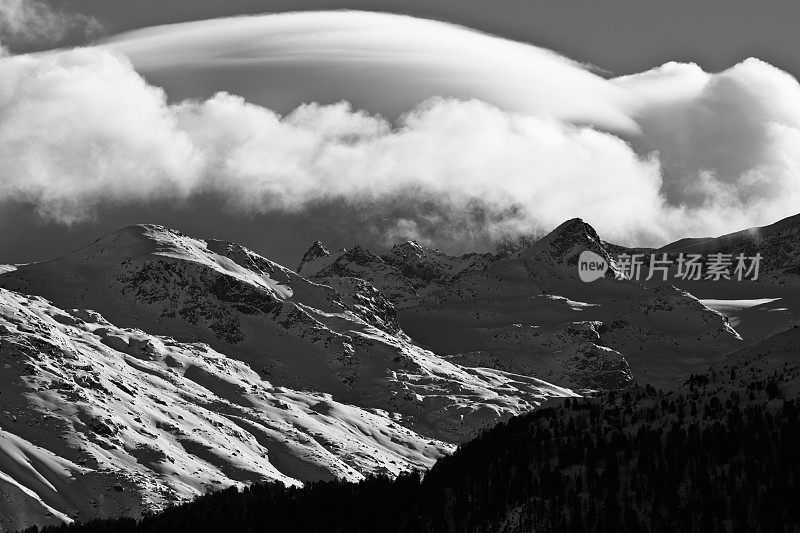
x,y
28,24
707,153
382,62
731,136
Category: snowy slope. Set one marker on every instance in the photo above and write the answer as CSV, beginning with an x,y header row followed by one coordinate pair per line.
x,y
764,307
778,244
211,365
100,420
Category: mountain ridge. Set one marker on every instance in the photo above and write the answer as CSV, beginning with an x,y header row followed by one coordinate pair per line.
x,y
371,363
241,369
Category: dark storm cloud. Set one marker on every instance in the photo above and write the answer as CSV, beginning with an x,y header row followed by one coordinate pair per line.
x,y
34,24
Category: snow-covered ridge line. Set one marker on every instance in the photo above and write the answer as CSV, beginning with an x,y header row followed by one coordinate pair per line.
x,y
211,365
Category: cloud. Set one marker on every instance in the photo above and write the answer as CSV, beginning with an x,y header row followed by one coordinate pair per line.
x,y
28,24
729,142
382,62
82,127
710,153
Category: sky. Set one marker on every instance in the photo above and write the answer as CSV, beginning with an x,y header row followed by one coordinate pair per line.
x,y
452,123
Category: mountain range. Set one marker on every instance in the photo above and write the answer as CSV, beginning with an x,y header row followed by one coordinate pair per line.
x,y
150,367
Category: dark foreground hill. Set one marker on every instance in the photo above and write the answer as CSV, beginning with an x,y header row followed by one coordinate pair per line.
x,y
719,454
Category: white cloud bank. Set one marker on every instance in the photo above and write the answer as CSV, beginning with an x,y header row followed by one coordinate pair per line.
x,y
716,152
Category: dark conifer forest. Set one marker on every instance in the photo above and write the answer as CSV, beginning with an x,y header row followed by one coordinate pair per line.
x,y
708,457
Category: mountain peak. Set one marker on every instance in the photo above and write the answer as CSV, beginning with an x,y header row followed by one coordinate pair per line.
x,y
316,251
407,250
573,236
127,242
563,246
576,227
414,245
146,230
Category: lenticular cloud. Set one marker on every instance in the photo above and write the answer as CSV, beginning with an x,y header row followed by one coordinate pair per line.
x,y
383,62
708,152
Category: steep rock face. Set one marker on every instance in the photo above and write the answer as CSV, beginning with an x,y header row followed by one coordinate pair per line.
x,y
589,366
358,262
405,274
425,266
571,353
315,254
370,303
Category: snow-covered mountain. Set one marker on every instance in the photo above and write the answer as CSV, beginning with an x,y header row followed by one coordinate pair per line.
x,y
151,366
99,420
531,314
405,274
161,366
757,309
